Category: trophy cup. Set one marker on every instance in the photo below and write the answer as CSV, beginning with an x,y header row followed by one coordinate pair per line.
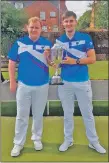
x,y
56,55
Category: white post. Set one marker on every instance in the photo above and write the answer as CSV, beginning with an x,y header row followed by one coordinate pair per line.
x,y
47,107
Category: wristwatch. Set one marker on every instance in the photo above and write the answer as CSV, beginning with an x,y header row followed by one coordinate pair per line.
x,y
78,61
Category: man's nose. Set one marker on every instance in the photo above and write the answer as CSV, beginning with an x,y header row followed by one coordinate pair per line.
x,y
68,23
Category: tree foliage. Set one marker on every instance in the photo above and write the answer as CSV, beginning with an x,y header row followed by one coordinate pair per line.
x,y
101,16
12,23
84,20
12,19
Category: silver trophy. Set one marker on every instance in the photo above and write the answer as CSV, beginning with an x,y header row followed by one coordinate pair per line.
x,y
56,56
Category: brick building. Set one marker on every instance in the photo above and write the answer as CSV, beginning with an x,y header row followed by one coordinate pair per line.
x,y
49,12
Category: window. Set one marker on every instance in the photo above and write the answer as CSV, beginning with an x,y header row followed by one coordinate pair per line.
x,y
42,15
44,28
55,28
18,5
52,14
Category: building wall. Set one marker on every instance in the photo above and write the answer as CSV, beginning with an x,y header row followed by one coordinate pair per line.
x,y
45,6
33,8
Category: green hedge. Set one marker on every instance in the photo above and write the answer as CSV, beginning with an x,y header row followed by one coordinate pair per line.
x,y
9,109
55,109
100,108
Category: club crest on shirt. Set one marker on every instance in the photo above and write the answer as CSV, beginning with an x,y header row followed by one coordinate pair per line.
x,y
41,47
76,43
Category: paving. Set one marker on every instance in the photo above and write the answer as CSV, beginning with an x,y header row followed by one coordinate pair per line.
x,y
99,89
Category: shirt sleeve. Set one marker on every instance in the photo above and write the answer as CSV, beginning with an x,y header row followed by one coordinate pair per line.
x,y
13,52
89,43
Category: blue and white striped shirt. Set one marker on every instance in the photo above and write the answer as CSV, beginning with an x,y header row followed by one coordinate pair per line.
x,y
33,68
76,48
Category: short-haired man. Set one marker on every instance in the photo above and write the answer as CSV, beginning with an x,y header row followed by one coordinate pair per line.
x,y
33,78
78,53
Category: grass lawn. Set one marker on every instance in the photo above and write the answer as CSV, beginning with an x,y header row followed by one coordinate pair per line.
x,y
52,138
99,70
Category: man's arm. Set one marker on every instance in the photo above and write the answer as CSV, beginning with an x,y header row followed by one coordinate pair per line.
x,y
11,69
91,58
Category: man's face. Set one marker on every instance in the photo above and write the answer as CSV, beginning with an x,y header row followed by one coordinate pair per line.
x,y
69,24
34,29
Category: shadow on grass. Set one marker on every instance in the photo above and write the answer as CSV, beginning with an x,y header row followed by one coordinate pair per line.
x,y
50,152
53,148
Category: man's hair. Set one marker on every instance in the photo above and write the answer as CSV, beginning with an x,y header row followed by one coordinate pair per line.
x,y
68,14
34,20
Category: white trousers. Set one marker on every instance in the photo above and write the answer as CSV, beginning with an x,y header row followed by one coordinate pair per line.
x,y
27,96
83,93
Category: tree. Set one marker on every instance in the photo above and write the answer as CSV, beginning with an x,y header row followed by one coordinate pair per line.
x,y
84,20
100,19
12,23
101,14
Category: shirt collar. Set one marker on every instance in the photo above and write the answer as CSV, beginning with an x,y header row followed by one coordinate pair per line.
x,y
73,37
33,42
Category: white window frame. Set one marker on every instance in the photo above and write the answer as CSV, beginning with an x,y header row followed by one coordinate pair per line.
x,y
44,28
52,14
42,15
19,5
55,27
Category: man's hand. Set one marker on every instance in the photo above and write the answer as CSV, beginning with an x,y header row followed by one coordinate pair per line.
x,y
11,68
13,86
47,53
69,60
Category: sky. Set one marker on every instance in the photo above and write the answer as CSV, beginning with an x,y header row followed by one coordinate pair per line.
x,y
79,7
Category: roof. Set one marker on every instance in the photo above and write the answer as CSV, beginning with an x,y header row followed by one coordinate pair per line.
x,y
54,5
35,6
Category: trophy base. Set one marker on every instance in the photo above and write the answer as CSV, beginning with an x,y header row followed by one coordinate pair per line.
x,y
56,80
